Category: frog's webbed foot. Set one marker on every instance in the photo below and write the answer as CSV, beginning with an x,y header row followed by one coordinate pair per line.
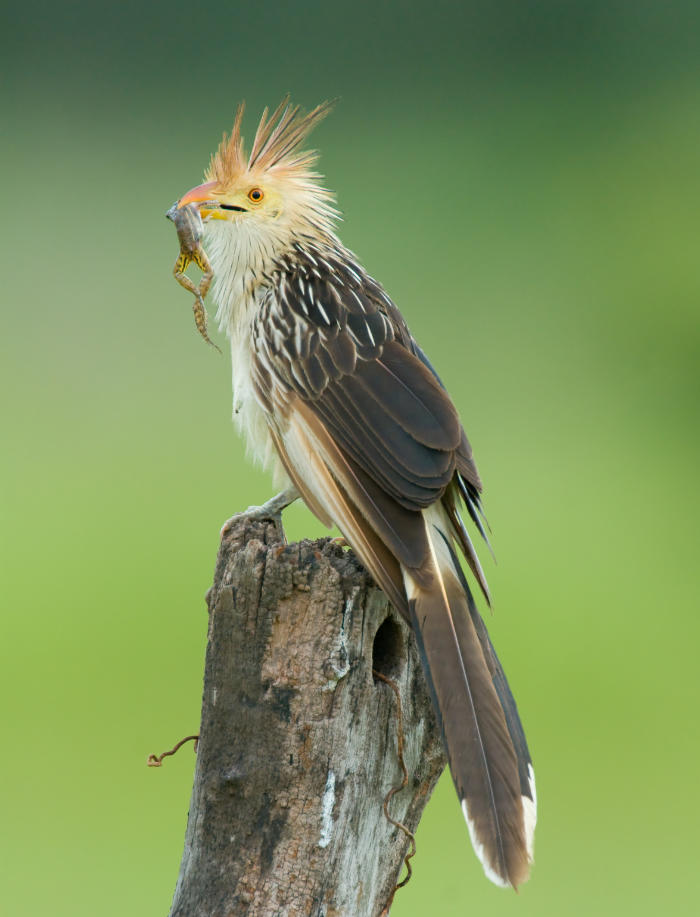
x,y
270,510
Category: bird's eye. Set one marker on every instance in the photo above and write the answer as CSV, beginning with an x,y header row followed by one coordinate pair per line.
x,y
255,195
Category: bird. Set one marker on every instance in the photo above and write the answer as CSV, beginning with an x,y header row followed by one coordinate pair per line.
x,y
337,399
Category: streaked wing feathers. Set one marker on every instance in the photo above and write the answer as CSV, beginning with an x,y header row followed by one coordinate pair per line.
x,y
334,344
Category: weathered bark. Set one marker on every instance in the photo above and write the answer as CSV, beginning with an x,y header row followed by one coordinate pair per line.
x,y
298,741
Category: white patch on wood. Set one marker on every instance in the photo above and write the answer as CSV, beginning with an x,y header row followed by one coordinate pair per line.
x,y
327,804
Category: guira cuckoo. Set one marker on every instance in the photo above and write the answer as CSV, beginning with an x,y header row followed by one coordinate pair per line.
x,y
334,395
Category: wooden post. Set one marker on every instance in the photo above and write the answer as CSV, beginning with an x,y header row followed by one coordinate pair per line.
x,y
299,739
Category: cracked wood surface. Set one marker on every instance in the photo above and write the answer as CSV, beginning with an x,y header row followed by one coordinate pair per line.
x,y
298,740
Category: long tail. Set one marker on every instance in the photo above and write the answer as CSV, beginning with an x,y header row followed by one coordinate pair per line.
x,y
486,747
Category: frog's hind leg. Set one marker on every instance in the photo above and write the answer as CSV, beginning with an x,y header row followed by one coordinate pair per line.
x,y
200,259
181,264
200,319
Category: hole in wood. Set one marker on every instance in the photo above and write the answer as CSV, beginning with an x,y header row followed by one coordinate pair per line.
x,y
388,650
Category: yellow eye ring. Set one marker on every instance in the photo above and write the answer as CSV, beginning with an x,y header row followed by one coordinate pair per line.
x,y
255,195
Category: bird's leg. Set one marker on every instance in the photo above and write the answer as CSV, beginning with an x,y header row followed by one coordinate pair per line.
x,y
270,510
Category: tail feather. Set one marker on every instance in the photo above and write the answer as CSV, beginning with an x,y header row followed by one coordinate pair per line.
x,y
510,710
470,554
472,501
484,749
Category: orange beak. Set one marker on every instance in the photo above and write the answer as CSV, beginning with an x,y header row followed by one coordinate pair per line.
x,y
200,195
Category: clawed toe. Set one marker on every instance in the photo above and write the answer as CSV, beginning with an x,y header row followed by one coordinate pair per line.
x,y
272,510
254,514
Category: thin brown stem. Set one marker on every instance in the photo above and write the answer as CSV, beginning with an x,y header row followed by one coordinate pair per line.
x,y
157,760
397,789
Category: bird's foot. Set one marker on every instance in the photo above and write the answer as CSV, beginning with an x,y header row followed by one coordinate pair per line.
x,y
272,509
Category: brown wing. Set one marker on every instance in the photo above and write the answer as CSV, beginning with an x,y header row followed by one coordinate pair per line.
x,y
333,347
340,348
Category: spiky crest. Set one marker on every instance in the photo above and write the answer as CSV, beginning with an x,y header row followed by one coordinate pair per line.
x,y
275,147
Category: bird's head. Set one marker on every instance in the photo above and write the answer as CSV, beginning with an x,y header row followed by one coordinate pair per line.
x,y
262,201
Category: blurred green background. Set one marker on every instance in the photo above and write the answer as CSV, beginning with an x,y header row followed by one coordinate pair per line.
x,y
524,179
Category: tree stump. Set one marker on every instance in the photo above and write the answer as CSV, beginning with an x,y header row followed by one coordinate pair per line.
x,y
299,736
